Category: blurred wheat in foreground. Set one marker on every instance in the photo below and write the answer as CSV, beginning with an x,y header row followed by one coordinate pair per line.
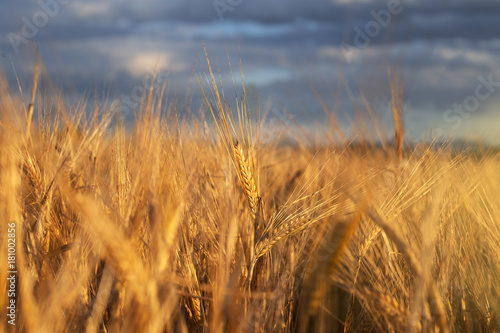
x,y
164,228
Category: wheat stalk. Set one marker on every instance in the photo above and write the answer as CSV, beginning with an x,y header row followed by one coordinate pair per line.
x,y
397,112
363,249
432,293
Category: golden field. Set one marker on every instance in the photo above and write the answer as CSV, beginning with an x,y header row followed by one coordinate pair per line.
x,y
195,226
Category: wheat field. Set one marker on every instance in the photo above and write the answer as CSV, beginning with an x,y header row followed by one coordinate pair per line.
x,y
193,225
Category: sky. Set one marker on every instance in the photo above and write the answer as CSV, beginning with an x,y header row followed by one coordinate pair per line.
x,y
296,55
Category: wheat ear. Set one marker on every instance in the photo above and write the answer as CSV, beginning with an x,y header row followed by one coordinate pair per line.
x,y
246,179
397,112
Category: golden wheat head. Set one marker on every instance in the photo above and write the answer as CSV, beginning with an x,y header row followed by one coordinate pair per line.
x,y
246,179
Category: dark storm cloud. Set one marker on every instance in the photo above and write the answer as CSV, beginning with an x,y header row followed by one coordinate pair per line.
x,y
281,11
286,46
418,19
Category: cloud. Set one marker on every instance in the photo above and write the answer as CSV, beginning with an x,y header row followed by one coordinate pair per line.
x,y
440,47
90,10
